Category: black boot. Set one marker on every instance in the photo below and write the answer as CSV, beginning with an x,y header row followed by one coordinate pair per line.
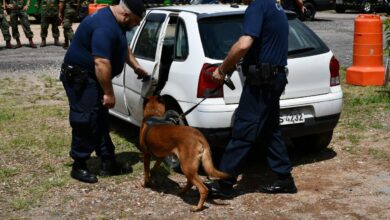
x,y
284,184
109,167
31,43
81,172
219,190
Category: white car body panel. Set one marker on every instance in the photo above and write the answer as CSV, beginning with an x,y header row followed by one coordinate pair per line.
x,y
308,90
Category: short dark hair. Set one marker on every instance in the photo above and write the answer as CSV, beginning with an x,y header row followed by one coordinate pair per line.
x,y
136,6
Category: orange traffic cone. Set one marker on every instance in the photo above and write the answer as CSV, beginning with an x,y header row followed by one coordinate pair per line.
x,y
367,68
94,7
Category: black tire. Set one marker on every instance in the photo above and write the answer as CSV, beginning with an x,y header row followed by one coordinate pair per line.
x,y
339,8
310,11
315,142
367,7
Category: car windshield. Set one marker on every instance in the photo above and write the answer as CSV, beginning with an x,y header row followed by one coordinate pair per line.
x,y
219,33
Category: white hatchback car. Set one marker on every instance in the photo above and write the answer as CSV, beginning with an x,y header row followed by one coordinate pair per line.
x,y
179,45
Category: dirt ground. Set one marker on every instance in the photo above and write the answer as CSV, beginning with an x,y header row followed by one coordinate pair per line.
x,y
342,182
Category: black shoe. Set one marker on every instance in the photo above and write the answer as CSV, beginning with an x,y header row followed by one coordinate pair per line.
x,y
218,191
110,168
280,186
81,172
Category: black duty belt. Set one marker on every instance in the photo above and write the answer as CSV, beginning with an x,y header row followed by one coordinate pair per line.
x,y
73,70
264,67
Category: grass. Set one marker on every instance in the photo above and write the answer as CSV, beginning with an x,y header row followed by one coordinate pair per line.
x,y
364,108
35,137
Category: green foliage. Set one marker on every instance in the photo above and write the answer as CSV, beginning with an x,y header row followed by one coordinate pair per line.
x,y
386,24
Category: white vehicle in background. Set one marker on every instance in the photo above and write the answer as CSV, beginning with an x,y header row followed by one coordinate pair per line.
x,y
178,45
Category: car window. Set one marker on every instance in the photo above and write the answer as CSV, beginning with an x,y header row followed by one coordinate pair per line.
x,y
130,34
181,45
302,41
218,34
146,45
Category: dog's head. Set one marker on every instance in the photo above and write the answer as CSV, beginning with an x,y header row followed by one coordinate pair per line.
x,y
154,106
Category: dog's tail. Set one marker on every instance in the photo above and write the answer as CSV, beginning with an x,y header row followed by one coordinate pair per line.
x,y
207,163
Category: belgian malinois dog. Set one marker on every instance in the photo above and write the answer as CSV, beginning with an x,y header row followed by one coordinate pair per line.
x,y
187,143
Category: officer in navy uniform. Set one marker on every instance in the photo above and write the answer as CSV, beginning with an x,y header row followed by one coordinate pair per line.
x,y
98,52
264,46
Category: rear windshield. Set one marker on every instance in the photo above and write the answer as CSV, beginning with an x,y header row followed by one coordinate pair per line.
x,y
219,33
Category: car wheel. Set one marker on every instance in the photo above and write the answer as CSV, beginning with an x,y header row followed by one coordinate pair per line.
x,y
367,7
339,8
315,142
310,11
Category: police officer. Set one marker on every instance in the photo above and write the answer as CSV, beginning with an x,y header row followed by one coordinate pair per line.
x,y
49,15
67,13
18,11
97,54
264,46
4,26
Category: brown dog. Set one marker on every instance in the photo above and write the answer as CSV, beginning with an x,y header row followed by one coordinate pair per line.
x,y
187,143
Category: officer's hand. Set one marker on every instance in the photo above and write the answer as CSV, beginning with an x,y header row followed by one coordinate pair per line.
x,y
25,8
142,74
108,101
217,77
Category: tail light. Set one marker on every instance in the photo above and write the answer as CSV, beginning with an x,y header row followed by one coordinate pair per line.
x,y
206,85
334,67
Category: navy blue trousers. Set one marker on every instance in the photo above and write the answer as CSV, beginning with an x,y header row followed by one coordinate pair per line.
x,y
89,121
257,113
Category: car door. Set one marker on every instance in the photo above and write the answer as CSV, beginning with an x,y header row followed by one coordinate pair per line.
x,y
118,83
147,50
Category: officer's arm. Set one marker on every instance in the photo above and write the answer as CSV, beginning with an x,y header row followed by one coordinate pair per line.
x,y
103,75
238,51
133,63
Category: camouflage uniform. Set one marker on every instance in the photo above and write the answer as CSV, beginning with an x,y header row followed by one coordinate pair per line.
x,y
18,12
49,15
69,13
4,25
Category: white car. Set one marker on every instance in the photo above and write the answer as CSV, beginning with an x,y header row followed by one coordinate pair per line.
x,y
180,45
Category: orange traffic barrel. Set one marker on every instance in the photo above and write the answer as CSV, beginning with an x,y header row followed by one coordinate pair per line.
x,y
367,68
94,7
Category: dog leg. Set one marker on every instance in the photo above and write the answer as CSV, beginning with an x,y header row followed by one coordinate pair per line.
x,y
186,188
203,192
146,169
191,172
156,166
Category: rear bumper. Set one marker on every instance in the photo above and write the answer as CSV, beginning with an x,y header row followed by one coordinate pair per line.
x,y
219,137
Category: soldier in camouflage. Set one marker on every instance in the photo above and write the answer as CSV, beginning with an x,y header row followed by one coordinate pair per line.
x,y
49,15
67,13
18,10
4,26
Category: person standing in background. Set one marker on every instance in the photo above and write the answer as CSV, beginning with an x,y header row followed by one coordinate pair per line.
x,y
49,15
4,25
18,12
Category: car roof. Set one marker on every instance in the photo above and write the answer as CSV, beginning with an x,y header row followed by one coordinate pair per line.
x,y
206,8
210,10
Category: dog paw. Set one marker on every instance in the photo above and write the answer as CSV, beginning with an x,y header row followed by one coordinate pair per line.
x,y
196,209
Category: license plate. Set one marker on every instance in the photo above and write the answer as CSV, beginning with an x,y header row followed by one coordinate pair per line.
x,y
291,118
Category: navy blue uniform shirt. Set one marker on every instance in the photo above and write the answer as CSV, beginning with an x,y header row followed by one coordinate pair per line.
x,y
98,35
266,22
